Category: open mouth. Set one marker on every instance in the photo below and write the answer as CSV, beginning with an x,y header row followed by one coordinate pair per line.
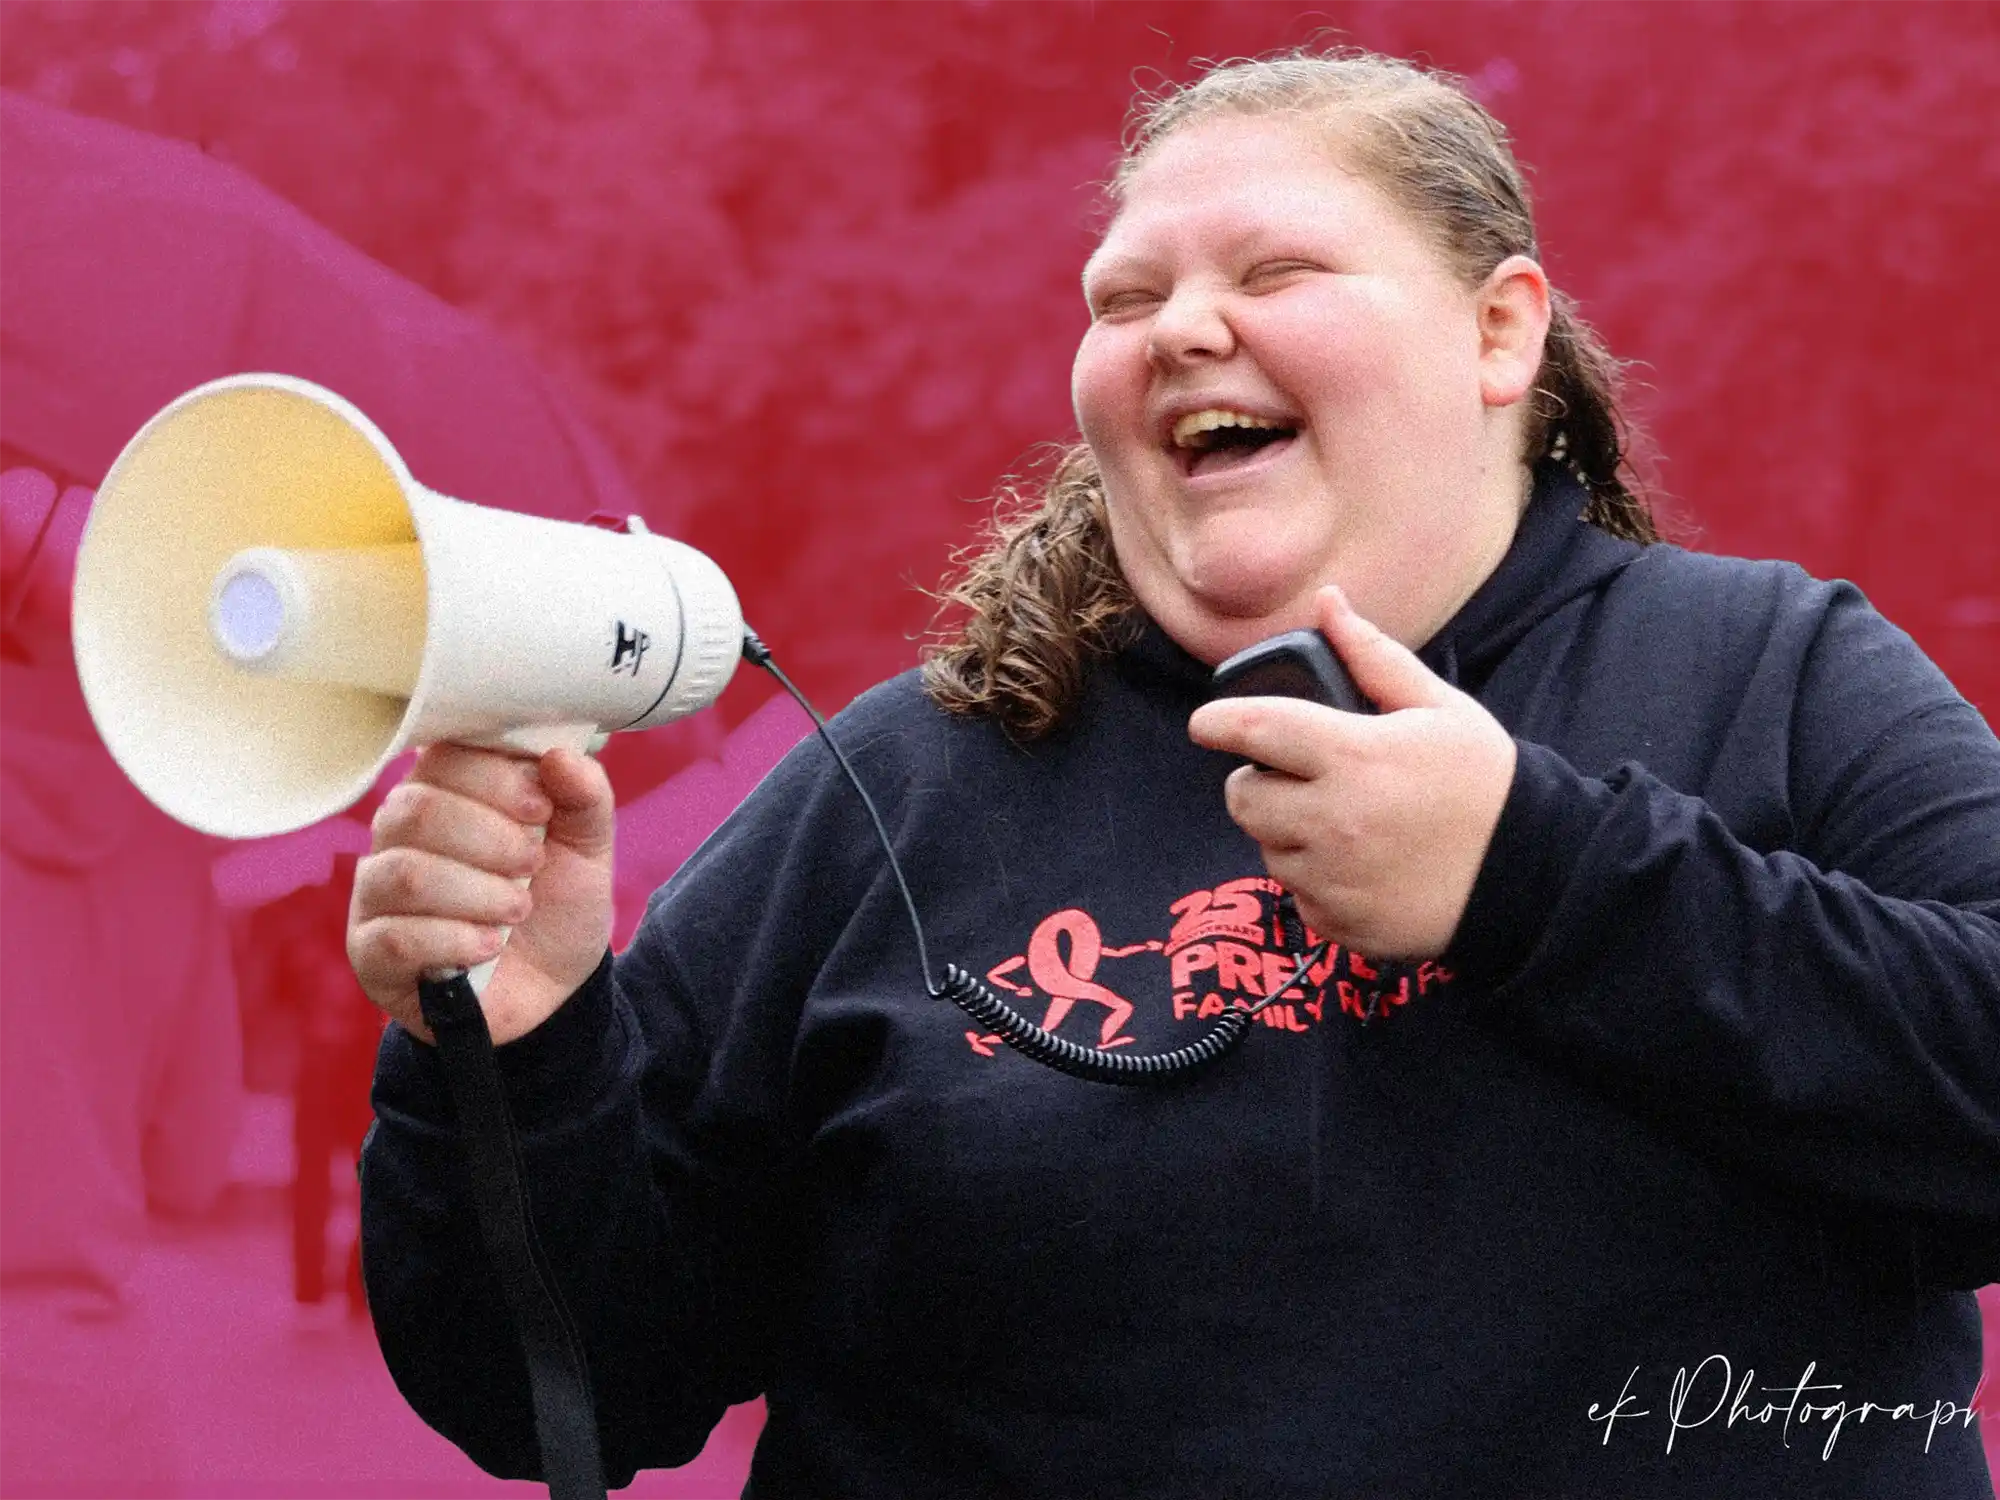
x,y
1214,442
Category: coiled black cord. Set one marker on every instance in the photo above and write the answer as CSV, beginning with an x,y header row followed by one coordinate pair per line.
x,y
1092,1063
996,1016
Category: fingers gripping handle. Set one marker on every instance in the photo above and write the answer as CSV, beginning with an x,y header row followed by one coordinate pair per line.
x,y
530,744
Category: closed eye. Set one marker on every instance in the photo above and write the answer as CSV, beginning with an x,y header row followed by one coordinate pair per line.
x,y
1271,275
1123,303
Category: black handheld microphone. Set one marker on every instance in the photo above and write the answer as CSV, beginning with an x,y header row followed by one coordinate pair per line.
x,y
1297,664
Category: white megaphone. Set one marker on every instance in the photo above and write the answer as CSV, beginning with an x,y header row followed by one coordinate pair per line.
x,y
269,609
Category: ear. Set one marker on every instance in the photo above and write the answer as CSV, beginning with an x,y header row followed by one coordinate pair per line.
x,y
1513,312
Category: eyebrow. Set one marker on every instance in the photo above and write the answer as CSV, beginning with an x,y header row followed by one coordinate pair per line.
x,y
1102,265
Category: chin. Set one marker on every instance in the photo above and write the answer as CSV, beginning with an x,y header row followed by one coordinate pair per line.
x,y
1213,622
1240,583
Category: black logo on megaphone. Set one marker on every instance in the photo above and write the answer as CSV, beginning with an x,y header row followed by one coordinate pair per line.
x,y
629,649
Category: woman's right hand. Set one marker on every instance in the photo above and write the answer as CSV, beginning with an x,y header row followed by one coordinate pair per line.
x,y
450,843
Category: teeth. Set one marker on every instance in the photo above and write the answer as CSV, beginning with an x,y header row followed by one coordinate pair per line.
x,y
1195,423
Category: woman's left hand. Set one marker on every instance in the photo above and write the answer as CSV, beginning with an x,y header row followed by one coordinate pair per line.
x,y
1377,824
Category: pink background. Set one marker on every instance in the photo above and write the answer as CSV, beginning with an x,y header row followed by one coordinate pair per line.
x,y
798,283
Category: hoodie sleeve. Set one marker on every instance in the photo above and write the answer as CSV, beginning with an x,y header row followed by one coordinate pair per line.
x,y
619,1237
1825,1016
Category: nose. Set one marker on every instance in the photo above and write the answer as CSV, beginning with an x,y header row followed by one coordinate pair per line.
x,y
1190,327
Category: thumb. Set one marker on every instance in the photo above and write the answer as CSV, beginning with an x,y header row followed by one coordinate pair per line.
x,y
586,812
1387,672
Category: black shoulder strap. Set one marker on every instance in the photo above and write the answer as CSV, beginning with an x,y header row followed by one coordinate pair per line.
x,y
558,1378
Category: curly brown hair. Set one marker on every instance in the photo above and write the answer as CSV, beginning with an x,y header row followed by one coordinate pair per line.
x,y
1041,592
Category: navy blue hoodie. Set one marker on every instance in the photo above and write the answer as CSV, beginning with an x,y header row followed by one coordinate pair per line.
x,y
1665,1180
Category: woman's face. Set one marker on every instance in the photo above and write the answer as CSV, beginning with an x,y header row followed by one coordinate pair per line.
x,y
1352,388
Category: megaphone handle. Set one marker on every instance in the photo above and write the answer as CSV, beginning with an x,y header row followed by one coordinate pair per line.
x,y
529,743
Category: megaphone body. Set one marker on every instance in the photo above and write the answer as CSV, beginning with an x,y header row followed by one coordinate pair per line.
x,y
268,609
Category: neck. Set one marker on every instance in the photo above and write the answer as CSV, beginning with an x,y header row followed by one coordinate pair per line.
x,y
1510,487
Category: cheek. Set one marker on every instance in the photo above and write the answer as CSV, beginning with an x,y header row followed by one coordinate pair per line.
x,y
1363,349
1432,351
1105,391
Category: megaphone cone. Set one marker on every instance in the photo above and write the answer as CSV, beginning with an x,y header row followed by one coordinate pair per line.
x,y
268,609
